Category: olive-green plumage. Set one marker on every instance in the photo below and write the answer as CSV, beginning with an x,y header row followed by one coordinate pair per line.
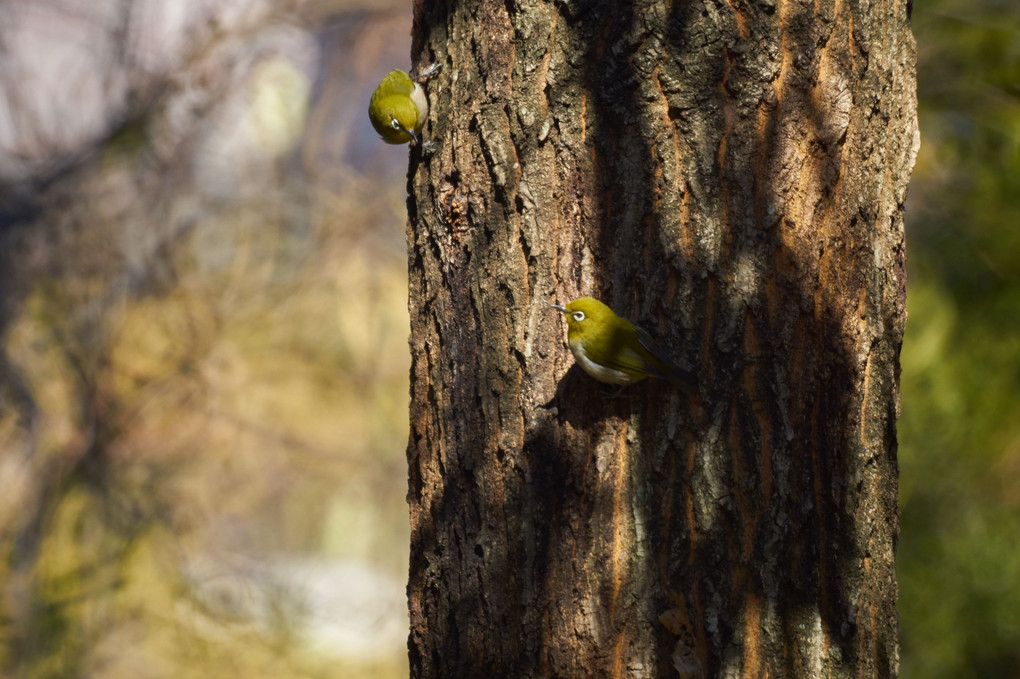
x,y
398,108
613,350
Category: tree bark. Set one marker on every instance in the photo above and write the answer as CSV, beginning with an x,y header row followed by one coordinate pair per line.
x,y
730,175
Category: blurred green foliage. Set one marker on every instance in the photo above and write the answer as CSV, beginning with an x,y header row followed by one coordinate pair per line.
x,y
959,549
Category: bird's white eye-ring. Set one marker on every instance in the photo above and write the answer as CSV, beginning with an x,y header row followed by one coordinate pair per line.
x,y
578,316
394,123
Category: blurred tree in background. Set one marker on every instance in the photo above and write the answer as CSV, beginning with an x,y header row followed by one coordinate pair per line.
x,y
959,551
203,358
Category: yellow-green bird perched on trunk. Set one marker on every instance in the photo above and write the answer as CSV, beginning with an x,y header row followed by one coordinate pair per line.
x,y
398,107
614,350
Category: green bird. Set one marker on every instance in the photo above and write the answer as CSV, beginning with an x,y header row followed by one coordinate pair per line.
x,y
614,350
398,107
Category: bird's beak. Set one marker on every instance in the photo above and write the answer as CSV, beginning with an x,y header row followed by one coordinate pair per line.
x,y
413,136
559,307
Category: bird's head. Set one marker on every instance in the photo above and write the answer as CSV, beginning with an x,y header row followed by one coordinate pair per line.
x,y
400,118
586,316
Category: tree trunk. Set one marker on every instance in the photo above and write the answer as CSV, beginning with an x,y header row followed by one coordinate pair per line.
x,y
731,176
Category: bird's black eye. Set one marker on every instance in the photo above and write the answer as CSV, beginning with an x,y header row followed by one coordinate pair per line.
x,y
578,316
394,123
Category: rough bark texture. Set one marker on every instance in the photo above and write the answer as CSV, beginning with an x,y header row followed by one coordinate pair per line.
x,y
731,175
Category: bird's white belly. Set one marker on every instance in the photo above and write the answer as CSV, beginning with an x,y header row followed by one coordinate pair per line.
x,y
418,97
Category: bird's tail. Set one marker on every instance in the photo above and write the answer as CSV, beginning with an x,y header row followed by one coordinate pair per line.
x,y
684,379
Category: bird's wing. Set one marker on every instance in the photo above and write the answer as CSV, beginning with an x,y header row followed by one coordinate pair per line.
x,y
619,353
399,83
630,361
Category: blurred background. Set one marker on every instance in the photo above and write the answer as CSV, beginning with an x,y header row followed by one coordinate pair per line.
x,y
203,342
959,432
204,362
